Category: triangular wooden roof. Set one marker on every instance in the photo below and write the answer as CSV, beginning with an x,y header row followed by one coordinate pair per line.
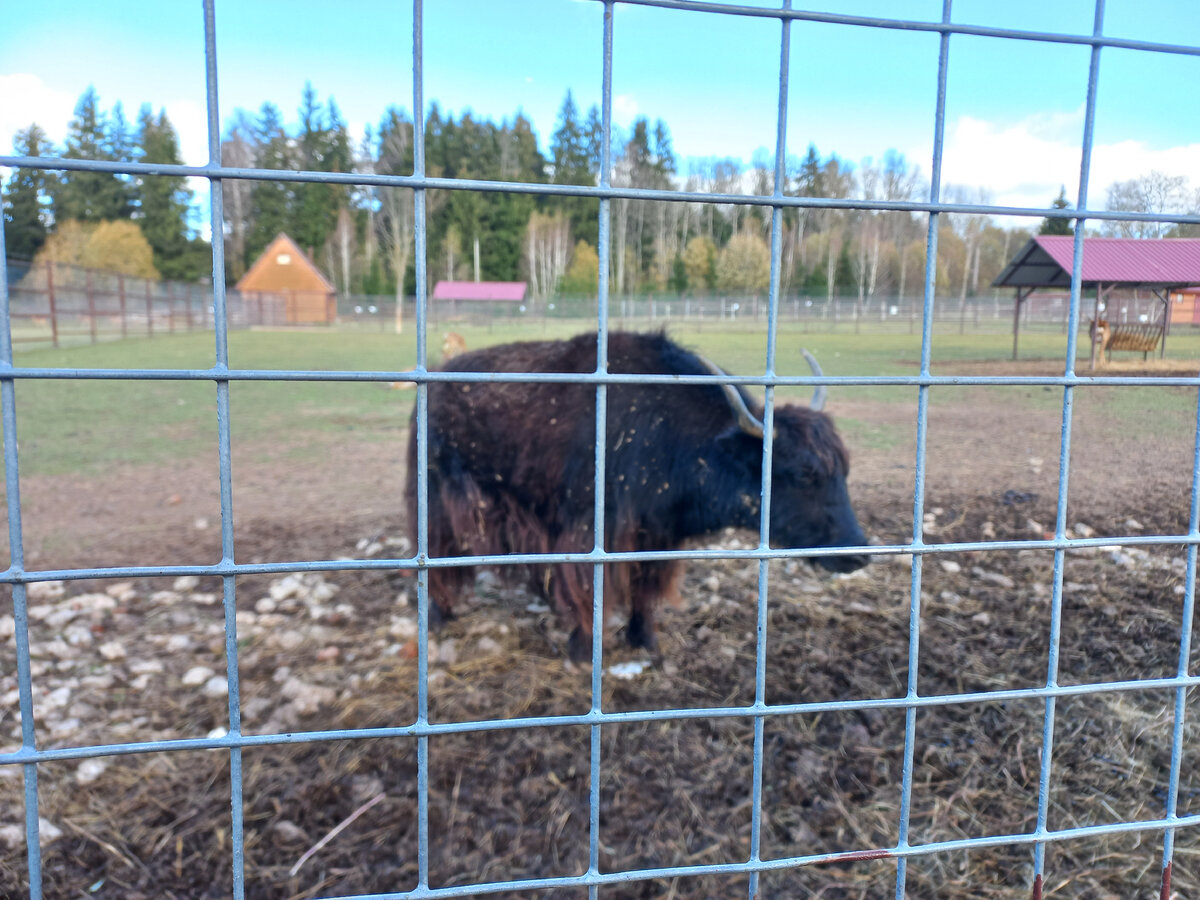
x,y
266,262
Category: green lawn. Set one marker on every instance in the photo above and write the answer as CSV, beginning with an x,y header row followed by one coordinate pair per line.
x,y
84,426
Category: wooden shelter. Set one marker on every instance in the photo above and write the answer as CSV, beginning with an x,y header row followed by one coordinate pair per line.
x,y
1159,266
285,271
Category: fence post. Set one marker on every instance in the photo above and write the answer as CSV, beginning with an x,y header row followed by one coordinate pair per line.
x,y
53,307
149,311
91,302
121,295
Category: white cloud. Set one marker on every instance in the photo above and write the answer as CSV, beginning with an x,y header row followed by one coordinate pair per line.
x,y
624,108
27,99
1025,163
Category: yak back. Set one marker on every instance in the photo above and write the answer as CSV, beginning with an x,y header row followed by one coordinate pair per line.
x,y
676,463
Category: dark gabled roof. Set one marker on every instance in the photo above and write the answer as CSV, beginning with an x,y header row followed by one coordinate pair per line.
x,y
1046,261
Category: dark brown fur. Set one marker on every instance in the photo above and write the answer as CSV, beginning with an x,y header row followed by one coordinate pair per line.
x,y
511,470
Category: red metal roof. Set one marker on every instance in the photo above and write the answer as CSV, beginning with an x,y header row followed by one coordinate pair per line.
x,y
479,290
1046,262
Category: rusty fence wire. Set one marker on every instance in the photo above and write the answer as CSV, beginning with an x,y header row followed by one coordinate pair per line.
x,y
1170,824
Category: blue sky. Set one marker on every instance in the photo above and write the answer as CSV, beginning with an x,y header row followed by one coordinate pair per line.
x,y
1014,109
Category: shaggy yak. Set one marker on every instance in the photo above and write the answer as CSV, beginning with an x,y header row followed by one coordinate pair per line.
x,y
511,470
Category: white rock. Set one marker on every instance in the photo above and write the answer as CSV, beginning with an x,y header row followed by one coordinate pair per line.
x,y
402,599
402,628
177,642
950,566
1084,531
40,612
77,635
288,640
487,646
56,699
627,671
995,578
185,583
265,605
982,618
305,698
12,836
217,686
61,616
146,666
289,832
142,682
323,591
1133,524
197,675
1035,528
122,590
200,523
165,598
219,732
89,770
8,627
112,650
45,590
284,587
448,652
537,608
988,531
202,599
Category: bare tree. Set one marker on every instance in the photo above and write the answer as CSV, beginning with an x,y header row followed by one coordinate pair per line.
x,y
547,250
239,150
1156,192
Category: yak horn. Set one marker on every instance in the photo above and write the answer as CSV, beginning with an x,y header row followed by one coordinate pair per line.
x,y
818,398
746,420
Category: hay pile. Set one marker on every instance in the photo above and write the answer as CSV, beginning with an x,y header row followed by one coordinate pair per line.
x,y
338,652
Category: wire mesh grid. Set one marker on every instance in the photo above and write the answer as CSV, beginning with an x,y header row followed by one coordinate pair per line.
x,y
29,756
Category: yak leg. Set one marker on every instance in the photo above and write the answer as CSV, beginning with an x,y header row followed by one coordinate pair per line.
x,y
571,585
650,585
444,586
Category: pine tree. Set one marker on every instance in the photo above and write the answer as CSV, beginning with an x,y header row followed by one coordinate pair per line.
x,y
569,147
270,201
164,202
323,145
24,208
92,196
1058,226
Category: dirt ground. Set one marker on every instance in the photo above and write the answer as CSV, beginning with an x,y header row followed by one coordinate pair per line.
x,y
146,660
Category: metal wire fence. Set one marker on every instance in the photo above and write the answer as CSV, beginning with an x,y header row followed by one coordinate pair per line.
x,y
29,757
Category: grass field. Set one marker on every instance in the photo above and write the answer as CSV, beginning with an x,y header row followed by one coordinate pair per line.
x,y
83,426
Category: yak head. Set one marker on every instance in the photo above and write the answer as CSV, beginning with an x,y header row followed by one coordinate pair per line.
x,y
810,504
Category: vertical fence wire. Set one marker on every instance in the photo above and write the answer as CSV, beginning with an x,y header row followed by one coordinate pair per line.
x,y
420,238
20,596
918,518
225,470
764,525
222,375
1064,465
599,459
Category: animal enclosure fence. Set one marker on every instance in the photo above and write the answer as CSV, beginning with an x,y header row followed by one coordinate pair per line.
x,y
30,756
61,305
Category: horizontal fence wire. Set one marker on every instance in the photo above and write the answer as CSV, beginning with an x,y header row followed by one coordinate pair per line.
x,y
29,756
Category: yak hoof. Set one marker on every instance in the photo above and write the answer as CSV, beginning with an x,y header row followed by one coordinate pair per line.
x,y
438,616
640,633
579,647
